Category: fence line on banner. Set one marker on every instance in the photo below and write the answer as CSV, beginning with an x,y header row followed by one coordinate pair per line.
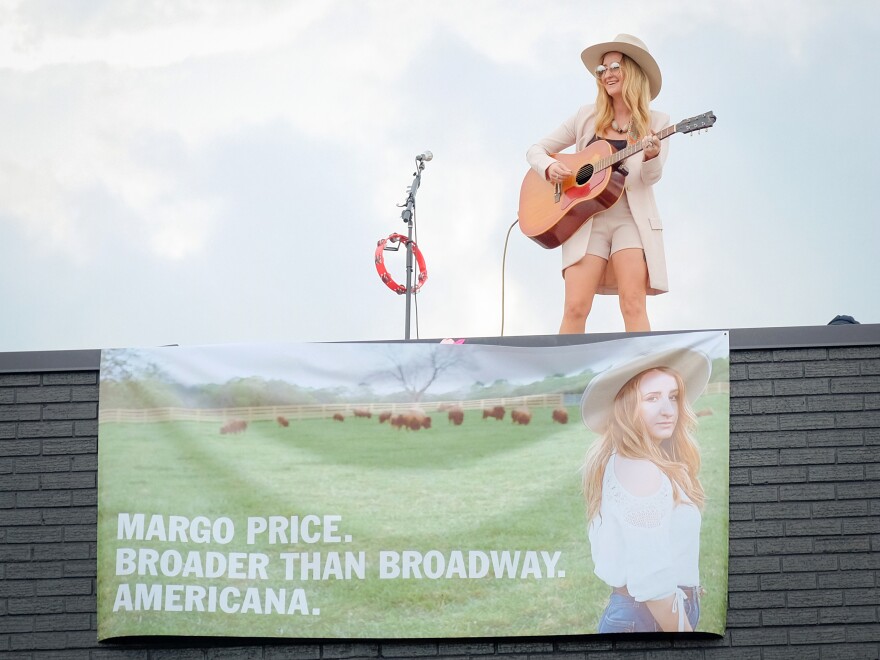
x,y
315,411
719,387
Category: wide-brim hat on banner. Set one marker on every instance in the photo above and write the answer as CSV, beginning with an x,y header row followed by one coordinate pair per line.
x,y
632,47
597,402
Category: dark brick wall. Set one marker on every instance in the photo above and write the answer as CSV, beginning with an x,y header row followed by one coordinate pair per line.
x,y
804,525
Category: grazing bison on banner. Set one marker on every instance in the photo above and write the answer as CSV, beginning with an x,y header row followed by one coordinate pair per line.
x,y
496,411
520,416
234,426
412,421
455,415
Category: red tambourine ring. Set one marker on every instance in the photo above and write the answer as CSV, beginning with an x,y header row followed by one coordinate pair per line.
x,y
383,272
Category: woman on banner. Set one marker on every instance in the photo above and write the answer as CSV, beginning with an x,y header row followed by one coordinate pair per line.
x,y
628,236
642,489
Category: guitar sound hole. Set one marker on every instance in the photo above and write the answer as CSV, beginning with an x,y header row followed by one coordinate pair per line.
x,y
584,174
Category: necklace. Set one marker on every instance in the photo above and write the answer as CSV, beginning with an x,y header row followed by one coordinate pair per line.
x,y
621,129
630,130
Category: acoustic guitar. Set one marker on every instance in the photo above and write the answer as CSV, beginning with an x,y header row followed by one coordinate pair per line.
x,y
549,214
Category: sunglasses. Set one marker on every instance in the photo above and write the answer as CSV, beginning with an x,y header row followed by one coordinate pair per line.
x,y
601,70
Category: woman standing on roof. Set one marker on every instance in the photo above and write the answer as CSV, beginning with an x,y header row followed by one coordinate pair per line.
x,y
620,250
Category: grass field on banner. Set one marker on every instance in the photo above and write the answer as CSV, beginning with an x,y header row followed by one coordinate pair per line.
x,y
485,485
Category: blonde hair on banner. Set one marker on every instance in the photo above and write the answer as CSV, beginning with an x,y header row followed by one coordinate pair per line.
x,y
678,459
636,96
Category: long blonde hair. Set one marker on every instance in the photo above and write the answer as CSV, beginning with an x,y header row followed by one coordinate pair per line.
x,y
636,96
678,458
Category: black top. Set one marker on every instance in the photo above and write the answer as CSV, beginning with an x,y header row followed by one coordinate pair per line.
x,y
617,144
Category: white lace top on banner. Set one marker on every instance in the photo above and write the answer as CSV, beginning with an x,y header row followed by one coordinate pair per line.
x,y
645,543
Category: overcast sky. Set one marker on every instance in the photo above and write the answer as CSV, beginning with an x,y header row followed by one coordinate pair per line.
x,y
209,172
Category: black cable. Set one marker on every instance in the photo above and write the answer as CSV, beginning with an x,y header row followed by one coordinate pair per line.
x,y
503,264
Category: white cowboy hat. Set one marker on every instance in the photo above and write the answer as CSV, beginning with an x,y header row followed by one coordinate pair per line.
x,y
598,399
631,46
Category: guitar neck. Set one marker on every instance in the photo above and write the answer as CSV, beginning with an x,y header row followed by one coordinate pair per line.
x,y
618,156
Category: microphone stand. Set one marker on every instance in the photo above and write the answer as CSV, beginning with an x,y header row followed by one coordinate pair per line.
x,y
407,216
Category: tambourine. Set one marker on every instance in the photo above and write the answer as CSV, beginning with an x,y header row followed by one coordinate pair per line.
x,y
383,272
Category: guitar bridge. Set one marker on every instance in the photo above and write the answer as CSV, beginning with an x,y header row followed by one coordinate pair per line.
x,y
557,195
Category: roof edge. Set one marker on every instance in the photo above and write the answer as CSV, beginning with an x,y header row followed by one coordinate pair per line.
x,y
740,339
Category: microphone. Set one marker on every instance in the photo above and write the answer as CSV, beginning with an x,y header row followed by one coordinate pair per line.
x,y
425,156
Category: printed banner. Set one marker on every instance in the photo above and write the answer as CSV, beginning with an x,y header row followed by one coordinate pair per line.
x,y
414,490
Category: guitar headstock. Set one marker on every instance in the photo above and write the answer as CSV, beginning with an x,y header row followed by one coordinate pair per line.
x,y
700,122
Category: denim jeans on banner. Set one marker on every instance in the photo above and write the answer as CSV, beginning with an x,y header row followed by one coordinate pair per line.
x,y
624,614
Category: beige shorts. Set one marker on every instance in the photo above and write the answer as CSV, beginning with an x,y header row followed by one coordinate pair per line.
x,y
608,232
612,233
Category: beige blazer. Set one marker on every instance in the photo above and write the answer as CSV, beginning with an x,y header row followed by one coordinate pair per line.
x,y
578,130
